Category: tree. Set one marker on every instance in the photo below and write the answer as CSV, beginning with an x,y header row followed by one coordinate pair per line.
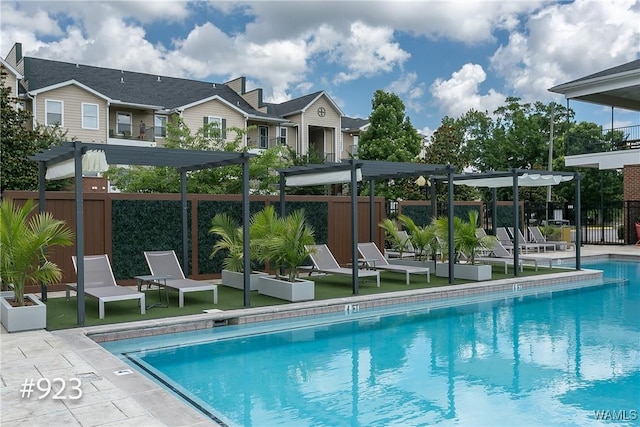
x,y
389,137
18,142
448,147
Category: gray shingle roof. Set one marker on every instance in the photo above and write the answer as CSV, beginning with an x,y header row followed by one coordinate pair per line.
x,y
131,87
629,66
352,123
292,106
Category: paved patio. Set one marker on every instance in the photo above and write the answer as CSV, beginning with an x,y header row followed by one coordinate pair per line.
x,y
112,394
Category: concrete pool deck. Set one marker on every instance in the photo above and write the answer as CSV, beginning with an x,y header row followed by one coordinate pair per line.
x,y
114,394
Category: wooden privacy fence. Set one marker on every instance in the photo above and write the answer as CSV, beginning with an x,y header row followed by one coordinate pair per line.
x,y
123,226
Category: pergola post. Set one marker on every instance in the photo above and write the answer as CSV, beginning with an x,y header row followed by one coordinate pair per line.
x,y
246,256
77,156
354,227
185,230
516,243
450,214
578,178
494,210
42,200
372,213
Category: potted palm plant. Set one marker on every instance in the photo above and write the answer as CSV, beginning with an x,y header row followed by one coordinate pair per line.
x,y
423,241
466,245
230,235
284,242
25,238
392,234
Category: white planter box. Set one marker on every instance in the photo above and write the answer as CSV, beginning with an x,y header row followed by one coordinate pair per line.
x,y
27,318
478,272
300,290
235,279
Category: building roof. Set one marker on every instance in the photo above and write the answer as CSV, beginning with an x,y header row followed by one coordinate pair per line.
x,y
298,105
123,86
616,87
353,123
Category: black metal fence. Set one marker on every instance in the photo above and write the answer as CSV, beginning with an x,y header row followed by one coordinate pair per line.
x,y
611,223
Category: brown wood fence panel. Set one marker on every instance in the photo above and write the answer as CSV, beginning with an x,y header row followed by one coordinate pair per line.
x,y
340,225
98,223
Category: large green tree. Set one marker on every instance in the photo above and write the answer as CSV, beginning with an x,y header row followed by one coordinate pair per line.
x,y
18,141
448,146
390,137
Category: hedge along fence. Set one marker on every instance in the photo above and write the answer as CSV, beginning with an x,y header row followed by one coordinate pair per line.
x,y
123,226
421,213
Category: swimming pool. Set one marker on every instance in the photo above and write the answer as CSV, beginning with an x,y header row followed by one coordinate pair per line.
x,y
551,358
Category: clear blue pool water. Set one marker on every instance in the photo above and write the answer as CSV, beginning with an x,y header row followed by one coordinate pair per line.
x,y
554,358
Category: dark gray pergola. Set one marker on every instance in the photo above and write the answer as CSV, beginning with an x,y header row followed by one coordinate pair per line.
x,y
516,178
183,160
354,170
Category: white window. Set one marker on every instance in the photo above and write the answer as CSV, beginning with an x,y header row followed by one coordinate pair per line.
x,y
283,136
123,124
160,126
90,116
53,112
263,137
215,127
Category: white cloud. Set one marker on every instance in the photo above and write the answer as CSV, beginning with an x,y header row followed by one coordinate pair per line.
x,y
565,41
460,93
368,51
409,89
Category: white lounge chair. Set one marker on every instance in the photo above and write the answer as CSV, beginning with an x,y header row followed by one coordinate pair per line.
x,y
543,246
409,252
165,263
507,241
100,283
325,262
538,237
500,252
374,258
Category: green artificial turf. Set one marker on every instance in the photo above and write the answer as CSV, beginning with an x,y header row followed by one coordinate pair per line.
x,y
62,314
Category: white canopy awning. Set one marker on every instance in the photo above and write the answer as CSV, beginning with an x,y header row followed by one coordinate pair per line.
x,y
322,178
93,161
524,180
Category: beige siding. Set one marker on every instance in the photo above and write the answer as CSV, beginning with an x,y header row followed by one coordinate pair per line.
x,y
330,122
302,133
253,97
331,118
348,142
72,97
13,60
237,85
193,117
11,81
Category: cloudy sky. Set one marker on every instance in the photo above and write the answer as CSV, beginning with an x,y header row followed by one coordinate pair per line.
x,y
440,57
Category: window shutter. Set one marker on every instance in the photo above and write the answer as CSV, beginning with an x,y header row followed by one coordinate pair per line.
x,y
205,122
224,129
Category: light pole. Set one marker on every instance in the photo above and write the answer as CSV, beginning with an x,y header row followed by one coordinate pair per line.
x,y
423,182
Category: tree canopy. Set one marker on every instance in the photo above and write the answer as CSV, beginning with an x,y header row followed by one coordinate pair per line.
x,y
390,137
19,140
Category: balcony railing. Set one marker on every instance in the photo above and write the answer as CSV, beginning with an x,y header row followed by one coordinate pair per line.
x,y
623,138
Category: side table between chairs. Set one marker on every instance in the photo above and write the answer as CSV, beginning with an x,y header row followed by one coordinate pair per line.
x,y
160,282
